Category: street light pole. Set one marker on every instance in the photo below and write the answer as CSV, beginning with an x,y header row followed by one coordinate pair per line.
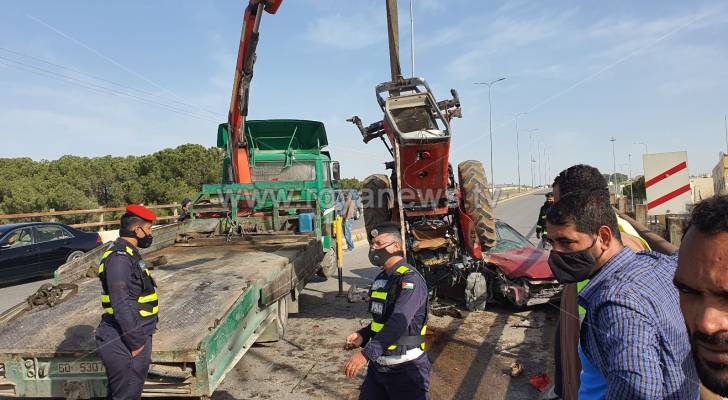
x,y
548,167
412,35
518,150
545,164
631,182
725,120
490,130
538,143
614,166
531,167
645,152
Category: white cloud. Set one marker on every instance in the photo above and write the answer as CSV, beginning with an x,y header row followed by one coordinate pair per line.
x,y
630,35
443,37
433,6
504,33
350,31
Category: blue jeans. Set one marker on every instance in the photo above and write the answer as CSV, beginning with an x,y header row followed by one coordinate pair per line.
x,y
348,224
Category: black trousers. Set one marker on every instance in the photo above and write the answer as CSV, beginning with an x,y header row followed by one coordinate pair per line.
x,y
407,381
125,375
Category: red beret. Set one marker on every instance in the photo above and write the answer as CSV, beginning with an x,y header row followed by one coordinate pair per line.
x,y
141,212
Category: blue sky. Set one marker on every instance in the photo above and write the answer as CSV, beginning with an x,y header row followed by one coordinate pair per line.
x,y
94,78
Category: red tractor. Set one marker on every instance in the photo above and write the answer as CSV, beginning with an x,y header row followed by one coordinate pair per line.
x,y
447,223
448,226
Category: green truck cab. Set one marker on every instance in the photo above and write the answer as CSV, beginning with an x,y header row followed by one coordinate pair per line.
x,y
293,176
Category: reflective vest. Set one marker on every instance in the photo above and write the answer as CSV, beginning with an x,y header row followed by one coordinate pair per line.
x,y
381,305
147,301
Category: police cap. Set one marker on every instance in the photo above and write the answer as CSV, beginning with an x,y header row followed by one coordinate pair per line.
x,y
385,227
141,212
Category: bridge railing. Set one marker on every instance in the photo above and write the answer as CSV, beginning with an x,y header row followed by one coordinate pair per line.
x,y
98,216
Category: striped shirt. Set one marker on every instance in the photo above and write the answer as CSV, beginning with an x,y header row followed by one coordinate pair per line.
x,y
634,333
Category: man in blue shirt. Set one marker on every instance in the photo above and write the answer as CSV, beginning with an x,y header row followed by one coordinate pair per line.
x,y
702,278
632,333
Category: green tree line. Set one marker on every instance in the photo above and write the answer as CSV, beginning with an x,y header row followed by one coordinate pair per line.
x,y
73,182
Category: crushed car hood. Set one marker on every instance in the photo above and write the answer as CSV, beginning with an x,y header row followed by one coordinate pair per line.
x,y
526,262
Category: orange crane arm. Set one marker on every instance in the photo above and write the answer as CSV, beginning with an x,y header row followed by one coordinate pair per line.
x,y
241,85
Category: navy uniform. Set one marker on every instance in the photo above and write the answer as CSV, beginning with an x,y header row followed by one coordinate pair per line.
x,y
130,304
541,231
394,342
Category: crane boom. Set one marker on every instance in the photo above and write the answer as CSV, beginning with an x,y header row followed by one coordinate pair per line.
x,y
393,35
237,146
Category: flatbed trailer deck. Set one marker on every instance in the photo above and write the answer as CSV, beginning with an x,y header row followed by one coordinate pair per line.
x,y
217,297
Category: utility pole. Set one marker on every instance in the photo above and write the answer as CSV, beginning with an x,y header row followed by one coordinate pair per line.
x,y
490,130
538,143
725,121
631,182
518,151
548,167
412,36
545,165
614,166
531,167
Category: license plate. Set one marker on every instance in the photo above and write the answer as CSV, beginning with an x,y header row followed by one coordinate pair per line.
x,y
81,367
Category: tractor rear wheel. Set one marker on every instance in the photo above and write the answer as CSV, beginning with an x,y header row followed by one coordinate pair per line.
x,y
375,201
477,201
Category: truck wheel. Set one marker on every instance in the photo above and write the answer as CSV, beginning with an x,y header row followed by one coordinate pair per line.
x,y
476,292
375,201
329,264
74,256
477,201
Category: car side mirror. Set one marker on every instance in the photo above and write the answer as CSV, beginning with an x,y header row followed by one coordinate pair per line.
x,y
336,170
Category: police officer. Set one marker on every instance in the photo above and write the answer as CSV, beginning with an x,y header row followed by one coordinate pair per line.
x,y
393,343
541,232
129,300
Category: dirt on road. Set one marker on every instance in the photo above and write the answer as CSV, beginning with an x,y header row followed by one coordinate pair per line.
x,y
472,356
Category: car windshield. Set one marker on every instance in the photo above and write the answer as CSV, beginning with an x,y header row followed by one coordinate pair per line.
x,y
18,238
508,239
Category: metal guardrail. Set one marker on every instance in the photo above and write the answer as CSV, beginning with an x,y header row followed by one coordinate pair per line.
x,y
99,211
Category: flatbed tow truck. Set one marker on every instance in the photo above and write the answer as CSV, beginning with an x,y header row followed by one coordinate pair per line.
x,y
227,278
217,297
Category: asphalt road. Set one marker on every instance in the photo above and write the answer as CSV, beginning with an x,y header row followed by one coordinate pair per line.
x,y
522,212
471,354
11,295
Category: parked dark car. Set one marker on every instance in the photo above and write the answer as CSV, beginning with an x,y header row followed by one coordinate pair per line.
x,y
38,248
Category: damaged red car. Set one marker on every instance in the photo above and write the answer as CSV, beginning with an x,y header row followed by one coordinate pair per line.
x,y
515,271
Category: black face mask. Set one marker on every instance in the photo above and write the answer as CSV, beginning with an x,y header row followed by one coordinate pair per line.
x,y
145,241
379,257
572,267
